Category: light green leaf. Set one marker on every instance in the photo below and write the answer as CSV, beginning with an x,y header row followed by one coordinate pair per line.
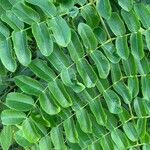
x,y
21,48
61,31
6,136
47,6
45,143
69,79
141,127
87,73
19,138
116,24
98,111
25,13
111,52
84,120
137,45
4,31
19,101
122,47
143,13
12,20
87,36
133,85
130,66
147,38
123,91
90,14
126,5
131,20
6,55
12,117
29,85
143,66
70,130
102,63
120,139
113,102
59,92
58,59
29,131
100,34
57,138
42,70
43,38
75,47
104,8
145,81
139,107
130,131
48,104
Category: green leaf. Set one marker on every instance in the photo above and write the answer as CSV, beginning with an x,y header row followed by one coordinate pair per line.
x,y
107,143
57,138
21,48
25,13
139,107
116,24
29,85
75,47
84,120
6,55
47,6
145,81
141,127
98,111
87,36
130,131
100,34
130,66
58,59
133,85
143,66
19,102
122,47
113,102
12,20
90,14
123,91
102,63
48,104
137,45
69,79
131,20
87,73
119,139
19,138
12,117
70,130
29,131
147,38
4,31
45,143
61,31
111,52
42,70
6,136
126,5
59,92
43,38
143,13
104,8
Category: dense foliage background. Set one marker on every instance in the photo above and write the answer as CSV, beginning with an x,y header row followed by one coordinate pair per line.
x,y
75,74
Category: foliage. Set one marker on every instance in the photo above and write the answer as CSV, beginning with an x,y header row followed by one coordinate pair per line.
x,y
75,74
